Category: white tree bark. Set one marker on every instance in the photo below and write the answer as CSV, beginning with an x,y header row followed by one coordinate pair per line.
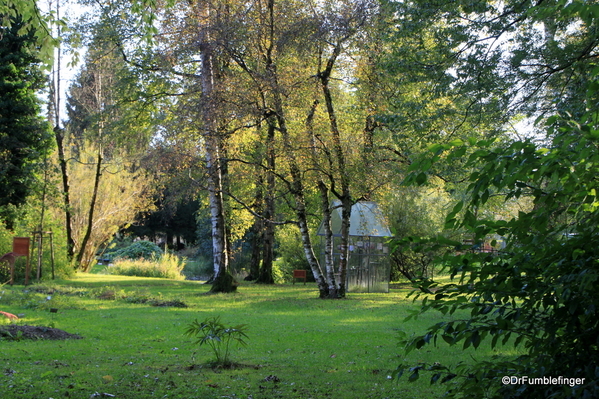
x,y
212,150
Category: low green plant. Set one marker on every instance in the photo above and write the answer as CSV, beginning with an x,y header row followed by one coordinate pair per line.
x,y
219,337
107,293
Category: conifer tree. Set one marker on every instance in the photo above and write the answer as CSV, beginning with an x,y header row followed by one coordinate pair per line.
x,y
24,136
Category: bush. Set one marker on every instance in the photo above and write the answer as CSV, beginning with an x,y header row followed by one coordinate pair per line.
x,y
282,270
137,250
167,266
201,267
410,264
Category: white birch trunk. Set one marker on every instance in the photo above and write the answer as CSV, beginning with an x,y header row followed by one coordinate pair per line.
x,y
324,206
345,195
298,193
212,149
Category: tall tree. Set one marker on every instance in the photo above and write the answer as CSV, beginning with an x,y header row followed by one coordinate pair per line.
x,y
24,139
223,280
103,118
55,105
344,25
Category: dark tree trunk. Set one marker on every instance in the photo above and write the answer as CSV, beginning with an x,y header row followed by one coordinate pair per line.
x,y
266,272
90,217
59,134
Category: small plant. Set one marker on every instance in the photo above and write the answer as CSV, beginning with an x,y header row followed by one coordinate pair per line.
x,y
214,333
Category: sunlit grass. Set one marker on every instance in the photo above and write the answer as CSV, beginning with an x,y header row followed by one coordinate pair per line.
x,y
315,348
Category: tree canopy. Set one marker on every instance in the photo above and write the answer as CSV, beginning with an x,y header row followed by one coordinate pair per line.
x,y
536,293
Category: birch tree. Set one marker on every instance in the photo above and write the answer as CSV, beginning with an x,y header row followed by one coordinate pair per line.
x,y
344,25
263,63
223,281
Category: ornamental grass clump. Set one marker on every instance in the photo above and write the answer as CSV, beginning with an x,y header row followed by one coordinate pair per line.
x,y
219,337
166,266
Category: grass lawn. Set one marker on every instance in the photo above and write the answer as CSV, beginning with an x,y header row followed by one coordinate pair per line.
x,y
299,346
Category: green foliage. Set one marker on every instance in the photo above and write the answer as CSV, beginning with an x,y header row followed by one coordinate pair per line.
x,y
200,267
540,293
166,266
172,217
138,250
289,250
218,337
35,21
414,212
24,135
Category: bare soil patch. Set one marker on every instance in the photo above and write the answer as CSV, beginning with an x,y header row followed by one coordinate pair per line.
x,y
18,332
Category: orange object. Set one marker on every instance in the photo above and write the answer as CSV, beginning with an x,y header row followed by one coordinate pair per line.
x,y
9,315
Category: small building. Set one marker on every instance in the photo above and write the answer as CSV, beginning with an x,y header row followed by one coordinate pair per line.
x,y
368,268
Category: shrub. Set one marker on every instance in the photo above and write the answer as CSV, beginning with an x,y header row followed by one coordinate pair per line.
x,y
137,250
201,267
167,266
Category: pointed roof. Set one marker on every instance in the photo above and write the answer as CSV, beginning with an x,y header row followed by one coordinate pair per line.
x,y
366,220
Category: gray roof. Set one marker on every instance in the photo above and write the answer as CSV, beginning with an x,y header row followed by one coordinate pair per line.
x,y
366,220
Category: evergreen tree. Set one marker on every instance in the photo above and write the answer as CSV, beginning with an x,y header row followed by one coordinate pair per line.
x,y
24,135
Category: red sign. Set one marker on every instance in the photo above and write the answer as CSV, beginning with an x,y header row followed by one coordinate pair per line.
x,y
20,246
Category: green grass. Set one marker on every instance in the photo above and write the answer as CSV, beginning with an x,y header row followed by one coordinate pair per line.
x,y
315,348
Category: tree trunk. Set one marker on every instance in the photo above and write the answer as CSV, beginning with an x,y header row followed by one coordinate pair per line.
x,y
59,134
90,217
223,281
345,195
324,204
297,190
266,272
